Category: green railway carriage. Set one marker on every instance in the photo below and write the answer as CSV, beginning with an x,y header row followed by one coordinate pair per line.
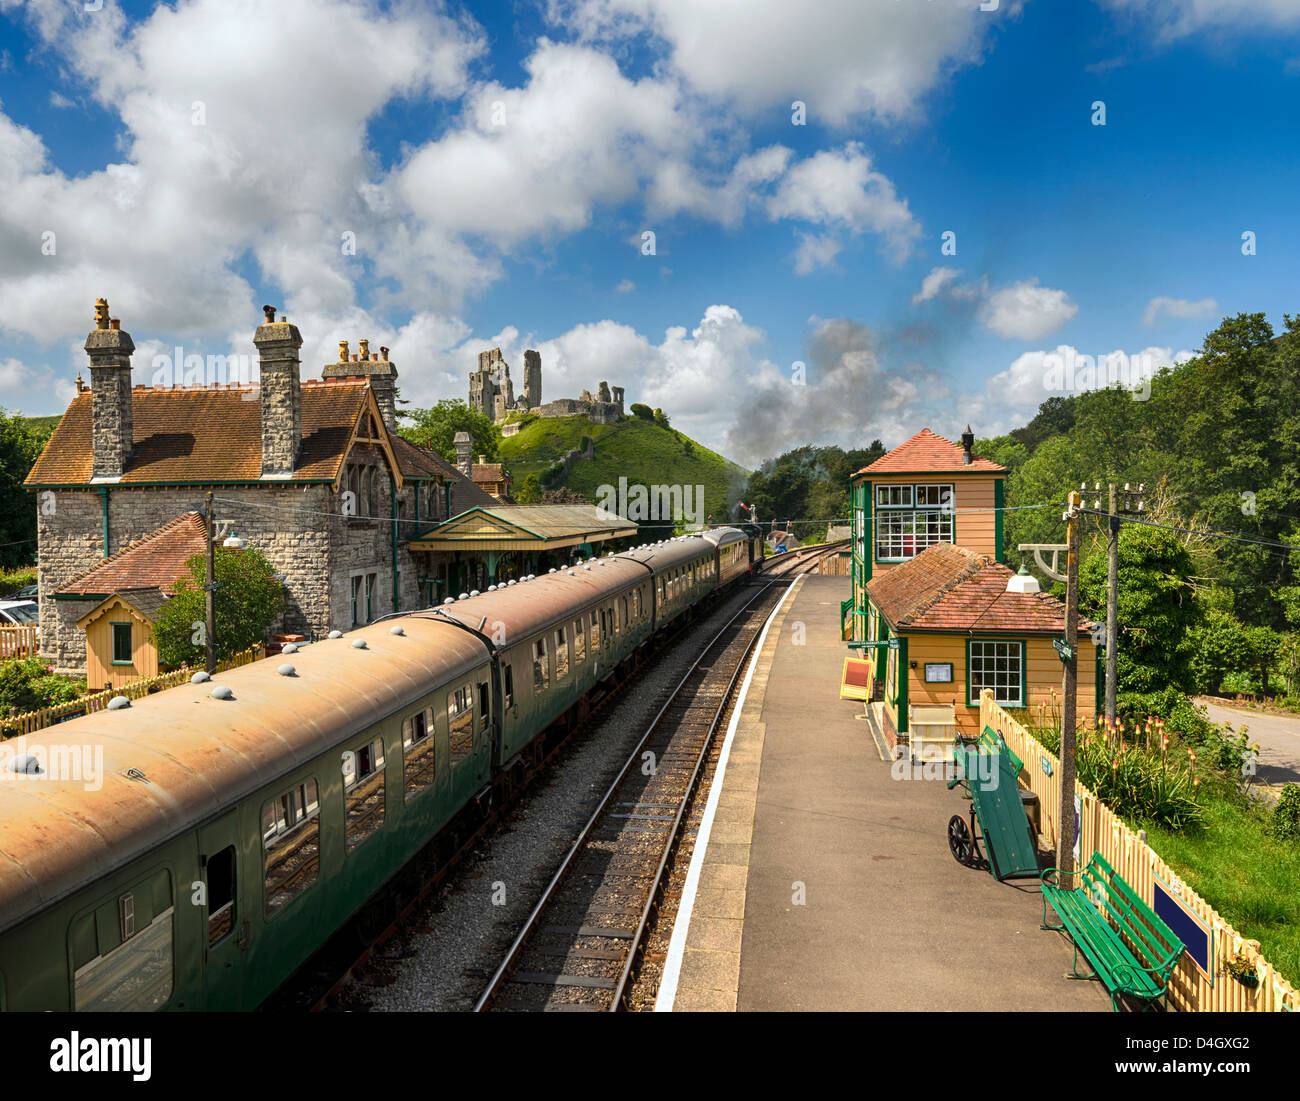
x,y
191,852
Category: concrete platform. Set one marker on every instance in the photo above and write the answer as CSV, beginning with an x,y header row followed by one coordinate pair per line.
x,y
827,884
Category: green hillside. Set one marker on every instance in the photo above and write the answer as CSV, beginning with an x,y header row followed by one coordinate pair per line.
x,y
639,450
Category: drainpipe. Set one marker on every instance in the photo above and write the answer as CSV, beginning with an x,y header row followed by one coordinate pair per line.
x,y
392,492
103,500
446,513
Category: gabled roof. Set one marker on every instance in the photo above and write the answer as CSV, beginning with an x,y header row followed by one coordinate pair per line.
x,y
952,589
146,602
206,434
489,472
156,561
465,494
525,527
929,453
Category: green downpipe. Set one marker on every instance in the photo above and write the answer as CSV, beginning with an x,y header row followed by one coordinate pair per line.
x,y
902,684
103,500
997,521
392,493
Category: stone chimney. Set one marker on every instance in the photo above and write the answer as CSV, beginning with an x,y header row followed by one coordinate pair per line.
x,y
464,448
113,431
277,354
967,442
376,369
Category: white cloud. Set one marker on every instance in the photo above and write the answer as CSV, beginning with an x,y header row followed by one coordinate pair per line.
x,y
1026,311
815,251
1180,308
1171,19
934,283
841,57
839,188
625,286
60,101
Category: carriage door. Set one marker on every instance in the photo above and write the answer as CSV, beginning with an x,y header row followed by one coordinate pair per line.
x,y
225,915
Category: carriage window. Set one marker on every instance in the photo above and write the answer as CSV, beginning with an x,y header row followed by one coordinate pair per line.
x,y
483,708
624,621
460,723
561,655
419,765
363,791
290,844
596,624
509,689
541,670
122,950
220,873
579,643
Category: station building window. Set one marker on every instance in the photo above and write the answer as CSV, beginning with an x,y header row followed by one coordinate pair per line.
x,y
290,844
997,665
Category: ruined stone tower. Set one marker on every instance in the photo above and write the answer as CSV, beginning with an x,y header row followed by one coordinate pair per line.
x,y
533,378
490,390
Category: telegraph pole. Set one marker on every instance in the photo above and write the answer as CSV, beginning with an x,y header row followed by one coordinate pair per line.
x,y
210,594
1112,603
1069,703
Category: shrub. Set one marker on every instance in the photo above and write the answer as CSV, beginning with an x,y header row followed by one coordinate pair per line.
x,y
13,580
642,412
1286,814
28,684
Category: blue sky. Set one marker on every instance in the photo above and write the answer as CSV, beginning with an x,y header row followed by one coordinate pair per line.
x,y
499,163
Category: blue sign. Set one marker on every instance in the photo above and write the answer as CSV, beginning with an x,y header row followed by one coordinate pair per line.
x,y
1186,926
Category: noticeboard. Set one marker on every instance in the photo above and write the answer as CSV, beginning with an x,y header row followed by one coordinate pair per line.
x,y
1186,926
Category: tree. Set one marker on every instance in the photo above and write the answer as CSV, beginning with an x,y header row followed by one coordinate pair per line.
x,y
20,446
437,426
529,490
641,412
661,418
1157,608
249,598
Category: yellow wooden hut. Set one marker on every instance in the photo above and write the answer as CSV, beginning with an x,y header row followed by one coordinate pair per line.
x,y
119,638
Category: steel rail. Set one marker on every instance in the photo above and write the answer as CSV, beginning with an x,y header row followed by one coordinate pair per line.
x,y
501,976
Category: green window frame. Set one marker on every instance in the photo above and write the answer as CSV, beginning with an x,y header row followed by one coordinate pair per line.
x,y
994,657
114,625
923,515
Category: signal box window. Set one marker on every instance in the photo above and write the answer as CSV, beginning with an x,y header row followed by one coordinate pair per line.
x,y
419,761
460,723
363,791
220,873
290,844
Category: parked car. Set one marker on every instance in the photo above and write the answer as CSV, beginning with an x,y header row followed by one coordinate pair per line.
x,y
27,592
19,613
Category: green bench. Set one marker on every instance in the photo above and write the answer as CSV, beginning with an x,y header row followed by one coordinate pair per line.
x,y
1131,950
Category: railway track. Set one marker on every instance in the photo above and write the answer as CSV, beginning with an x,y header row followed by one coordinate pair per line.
x,y
578,947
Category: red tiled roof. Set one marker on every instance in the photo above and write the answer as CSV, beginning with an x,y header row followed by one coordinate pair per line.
x,y
929,453
952,589
488,472
205,434
156,561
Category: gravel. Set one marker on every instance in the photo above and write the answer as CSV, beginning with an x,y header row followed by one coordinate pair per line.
x,y
466,928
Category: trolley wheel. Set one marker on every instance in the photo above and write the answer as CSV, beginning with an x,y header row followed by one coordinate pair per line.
x,y
960,841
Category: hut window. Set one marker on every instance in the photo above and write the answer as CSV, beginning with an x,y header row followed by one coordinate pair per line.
x,y
999,666
121,643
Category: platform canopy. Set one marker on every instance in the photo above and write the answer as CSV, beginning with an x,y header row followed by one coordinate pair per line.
x,y
524,527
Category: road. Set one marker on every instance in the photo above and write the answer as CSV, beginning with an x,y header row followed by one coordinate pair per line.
x,y
1278,738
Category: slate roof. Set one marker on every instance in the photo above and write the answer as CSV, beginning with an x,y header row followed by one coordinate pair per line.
x,y
951,589
148,602
929,453
416,462
205,434
155,562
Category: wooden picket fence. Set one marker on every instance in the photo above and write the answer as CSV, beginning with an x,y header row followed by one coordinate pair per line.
x,y
30,721
18,641
1102,831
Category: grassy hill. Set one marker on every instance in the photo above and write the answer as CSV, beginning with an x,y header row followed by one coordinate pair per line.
x,y
639,450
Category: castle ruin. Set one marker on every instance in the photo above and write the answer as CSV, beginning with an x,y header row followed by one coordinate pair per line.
x,y
492,393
